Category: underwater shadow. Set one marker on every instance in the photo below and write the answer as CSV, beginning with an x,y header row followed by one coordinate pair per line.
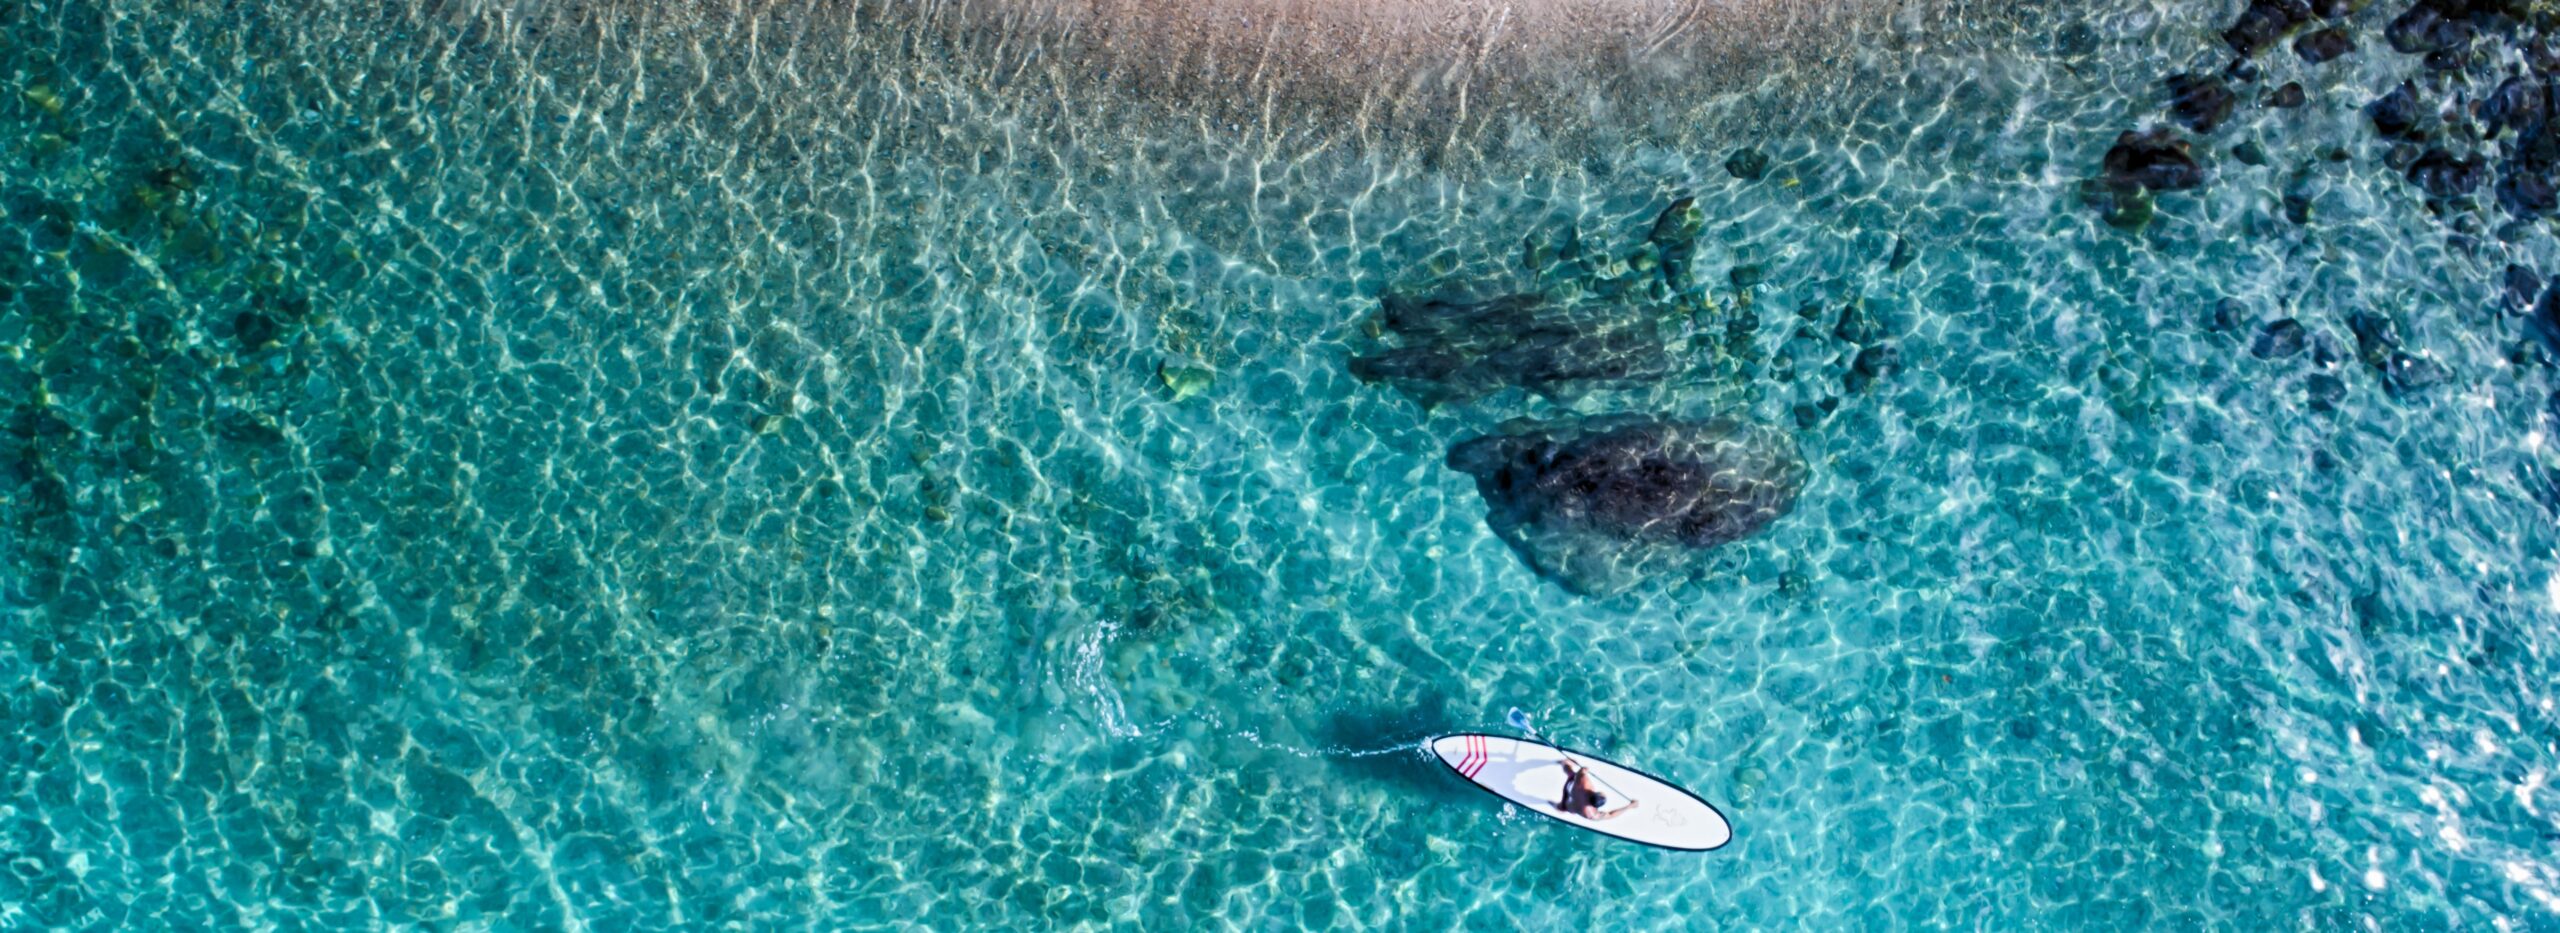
x,y
1409,767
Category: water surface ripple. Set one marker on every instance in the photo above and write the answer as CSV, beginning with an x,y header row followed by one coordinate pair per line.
x,y
547,482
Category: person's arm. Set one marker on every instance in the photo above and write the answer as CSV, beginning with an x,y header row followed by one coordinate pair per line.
x,y
1613,814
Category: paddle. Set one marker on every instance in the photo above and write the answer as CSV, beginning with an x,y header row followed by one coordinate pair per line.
x,y
1520,720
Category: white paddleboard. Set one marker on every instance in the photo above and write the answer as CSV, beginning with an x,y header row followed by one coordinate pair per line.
x,y
1532,775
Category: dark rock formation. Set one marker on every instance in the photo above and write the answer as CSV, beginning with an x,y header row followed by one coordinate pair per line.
x,y
2157,160
1873,364
2125,208
1675,237
2290,95
2379,345
2264,22
2376,336
2227,315
2297,207
2396,115
2544,324
1678,223
2280,339
2324,45
1460,350
254,331
2527,193
2404,374
1599,504
2444,176
1809,414
1747,164
2425,28
2520,103
2201,102
1860,324
2521,285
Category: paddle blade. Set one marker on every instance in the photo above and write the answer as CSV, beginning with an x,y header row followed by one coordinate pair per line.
x,y
1520,720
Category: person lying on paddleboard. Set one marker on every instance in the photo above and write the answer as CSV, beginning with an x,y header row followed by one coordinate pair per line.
x,y
1583,800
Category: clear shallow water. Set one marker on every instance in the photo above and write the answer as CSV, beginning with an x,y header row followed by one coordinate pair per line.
x,y
504,482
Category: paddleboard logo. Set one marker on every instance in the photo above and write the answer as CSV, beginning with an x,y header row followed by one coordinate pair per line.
x,y
1474,758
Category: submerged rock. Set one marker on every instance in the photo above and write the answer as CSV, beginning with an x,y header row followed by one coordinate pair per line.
x,y
1808,414
2128,209
1747,164
2264,22
2280,339
2290,95
2519,103
2201,102
2544,324
1183,379
1678,224
2378,344
255,331
2396,114
2424,28
1462,350
2297,207
2520,285
1599,504
2404,373
2526,193
2227,315
2324,45
1675,238
2157,159
2376,336
1859,324
2444,176
1872,365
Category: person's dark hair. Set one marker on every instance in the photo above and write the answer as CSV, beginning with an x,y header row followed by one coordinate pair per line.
x,y
1599,799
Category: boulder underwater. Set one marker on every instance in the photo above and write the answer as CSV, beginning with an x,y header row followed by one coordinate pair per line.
x,y
1460,350
1600,504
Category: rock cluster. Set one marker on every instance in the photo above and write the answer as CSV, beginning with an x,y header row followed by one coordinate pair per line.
x,y
1463,350
2469,127
1600,503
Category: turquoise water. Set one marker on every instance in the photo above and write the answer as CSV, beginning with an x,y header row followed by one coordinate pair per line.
x,y
685,475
